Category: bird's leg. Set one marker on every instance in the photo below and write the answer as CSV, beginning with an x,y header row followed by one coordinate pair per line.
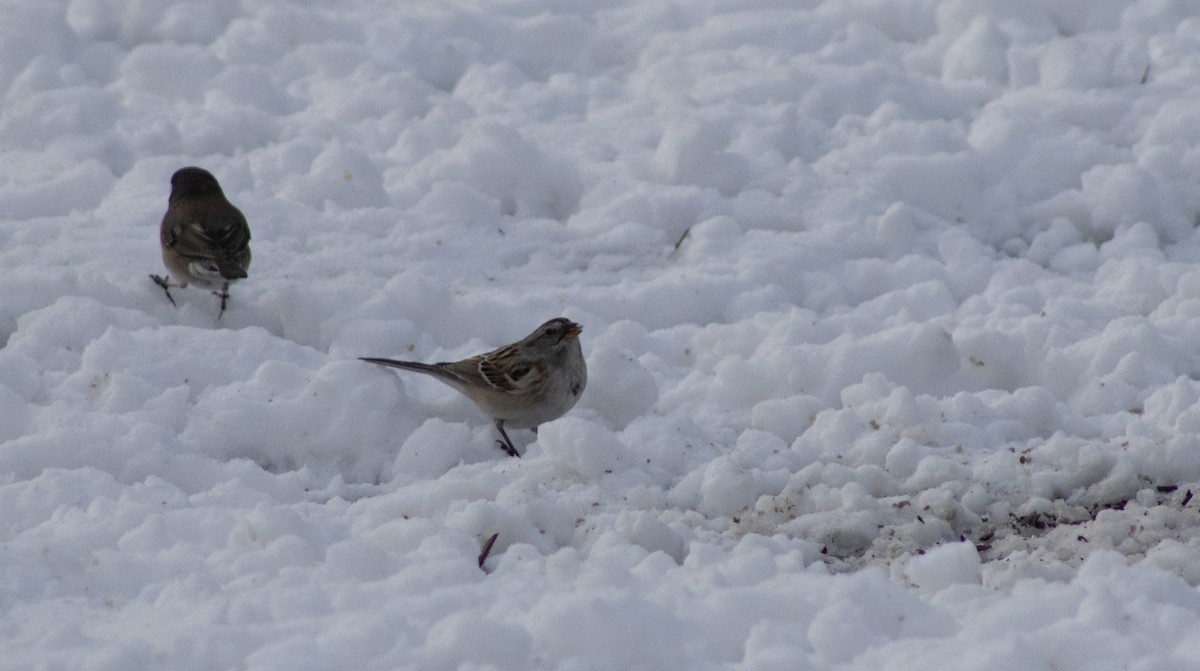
x,y
164,282
224,294
506,444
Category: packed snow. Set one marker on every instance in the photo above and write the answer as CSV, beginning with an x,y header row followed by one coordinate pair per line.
x,y
890,307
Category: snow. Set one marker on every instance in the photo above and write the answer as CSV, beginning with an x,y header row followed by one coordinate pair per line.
x,y
889,310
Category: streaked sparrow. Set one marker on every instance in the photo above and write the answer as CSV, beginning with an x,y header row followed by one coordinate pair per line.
x,y
532,381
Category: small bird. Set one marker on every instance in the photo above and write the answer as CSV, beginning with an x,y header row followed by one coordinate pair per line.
x,y
532,381
205,239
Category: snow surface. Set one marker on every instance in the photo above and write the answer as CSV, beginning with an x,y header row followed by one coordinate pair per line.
x,y
890,307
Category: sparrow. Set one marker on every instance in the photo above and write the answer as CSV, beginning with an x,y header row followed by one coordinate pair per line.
x,y
532,381
205,239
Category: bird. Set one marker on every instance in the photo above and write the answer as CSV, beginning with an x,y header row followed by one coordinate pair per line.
x,y
521,385
205,238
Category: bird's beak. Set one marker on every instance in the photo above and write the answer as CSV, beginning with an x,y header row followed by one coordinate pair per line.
x,y
572,331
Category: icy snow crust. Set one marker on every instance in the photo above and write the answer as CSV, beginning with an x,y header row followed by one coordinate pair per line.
x,y
891,310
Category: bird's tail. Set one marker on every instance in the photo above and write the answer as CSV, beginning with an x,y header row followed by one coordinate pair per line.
x,y
407,365
230,269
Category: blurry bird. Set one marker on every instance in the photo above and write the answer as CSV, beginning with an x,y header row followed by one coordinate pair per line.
x,y
205,239
532,381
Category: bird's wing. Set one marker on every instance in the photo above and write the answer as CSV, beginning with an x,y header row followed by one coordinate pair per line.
x,y
503,370
226,228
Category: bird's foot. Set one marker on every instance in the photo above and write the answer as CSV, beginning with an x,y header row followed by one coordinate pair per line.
x,y
164,282
506,444
224,294
508,449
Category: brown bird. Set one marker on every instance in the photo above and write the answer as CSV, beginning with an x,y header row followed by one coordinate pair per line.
x,y
205,239
530,382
